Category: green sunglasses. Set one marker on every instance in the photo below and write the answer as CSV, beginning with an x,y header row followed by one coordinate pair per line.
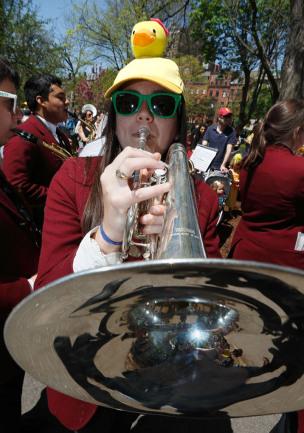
x,y
161,104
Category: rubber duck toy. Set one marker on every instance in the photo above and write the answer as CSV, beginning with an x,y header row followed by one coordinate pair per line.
x,y
149,38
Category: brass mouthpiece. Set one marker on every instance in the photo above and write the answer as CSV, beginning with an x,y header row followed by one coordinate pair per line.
x,y
143,134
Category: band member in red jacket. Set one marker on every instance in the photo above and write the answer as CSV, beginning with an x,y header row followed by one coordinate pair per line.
x,y
272,196
19,254
28,164
272,191
88,202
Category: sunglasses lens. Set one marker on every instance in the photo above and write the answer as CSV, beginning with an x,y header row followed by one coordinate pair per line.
x,y
10,103
163,105
11,100
126,103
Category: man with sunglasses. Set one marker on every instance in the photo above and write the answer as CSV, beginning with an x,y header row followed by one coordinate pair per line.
x,y
28,164
86,212
18,256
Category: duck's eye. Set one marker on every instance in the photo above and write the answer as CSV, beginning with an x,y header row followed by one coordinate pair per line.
x,y
133,32
154,31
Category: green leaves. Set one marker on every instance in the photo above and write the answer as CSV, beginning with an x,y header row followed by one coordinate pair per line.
x,y
244,35
25,40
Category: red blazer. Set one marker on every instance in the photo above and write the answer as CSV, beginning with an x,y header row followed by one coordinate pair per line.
x,y
273,214
19,260
273,210
61,237
30,167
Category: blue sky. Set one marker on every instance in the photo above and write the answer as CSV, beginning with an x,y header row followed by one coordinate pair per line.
x,y
55,10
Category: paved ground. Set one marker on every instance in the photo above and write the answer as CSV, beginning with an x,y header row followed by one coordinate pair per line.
x,y
226,232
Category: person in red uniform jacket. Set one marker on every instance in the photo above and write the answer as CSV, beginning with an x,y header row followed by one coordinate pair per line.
x,y
19,254
272,196
30,166
87,206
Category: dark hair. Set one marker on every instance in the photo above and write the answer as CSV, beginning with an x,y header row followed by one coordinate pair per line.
x,y
94,210
280,127
39,85
7,72
84,114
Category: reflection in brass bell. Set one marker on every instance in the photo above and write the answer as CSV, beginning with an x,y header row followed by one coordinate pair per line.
x,y
170,336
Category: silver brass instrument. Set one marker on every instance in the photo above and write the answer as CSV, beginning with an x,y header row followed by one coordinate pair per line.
x,y
181,335
132,236
143,134
181,230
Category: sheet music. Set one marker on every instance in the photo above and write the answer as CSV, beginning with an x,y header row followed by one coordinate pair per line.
x,y
202,157
93,148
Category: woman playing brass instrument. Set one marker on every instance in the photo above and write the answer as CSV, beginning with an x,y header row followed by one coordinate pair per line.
x,y
87,208
85,127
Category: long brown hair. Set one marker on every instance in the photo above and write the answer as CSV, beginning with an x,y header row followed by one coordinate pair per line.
x,y
279,128
93,211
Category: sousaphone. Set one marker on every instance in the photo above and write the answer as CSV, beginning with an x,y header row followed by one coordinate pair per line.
x,y
175,336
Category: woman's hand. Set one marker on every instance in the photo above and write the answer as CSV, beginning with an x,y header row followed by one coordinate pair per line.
x,y
152,222
118,196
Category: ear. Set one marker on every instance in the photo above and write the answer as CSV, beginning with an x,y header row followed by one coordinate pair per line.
x,y
40,101
293,141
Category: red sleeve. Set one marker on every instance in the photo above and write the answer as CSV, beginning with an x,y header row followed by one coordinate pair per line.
x,y
19,162
12,291
62,233
208,212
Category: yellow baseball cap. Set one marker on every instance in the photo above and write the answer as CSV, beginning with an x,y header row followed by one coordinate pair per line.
x,y
162,71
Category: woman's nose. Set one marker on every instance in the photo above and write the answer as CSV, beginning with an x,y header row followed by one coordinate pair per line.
x,y
144,113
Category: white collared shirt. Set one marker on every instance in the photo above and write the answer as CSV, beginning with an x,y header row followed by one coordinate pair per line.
x,y
50,126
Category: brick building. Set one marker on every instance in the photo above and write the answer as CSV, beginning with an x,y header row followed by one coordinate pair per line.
x,y
219,88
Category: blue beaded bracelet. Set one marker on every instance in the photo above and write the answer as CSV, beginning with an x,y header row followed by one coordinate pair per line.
x,y
107,239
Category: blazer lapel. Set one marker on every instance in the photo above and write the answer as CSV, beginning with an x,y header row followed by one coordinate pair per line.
x,y
42,131
63,140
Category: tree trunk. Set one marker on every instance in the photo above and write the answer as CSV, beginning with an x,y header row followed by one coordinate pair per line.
x,y
262,55
255,94
243,103
292,76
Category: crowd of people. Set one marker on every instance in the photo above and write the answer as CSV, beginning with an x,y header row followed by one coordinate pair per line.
x,y
61,214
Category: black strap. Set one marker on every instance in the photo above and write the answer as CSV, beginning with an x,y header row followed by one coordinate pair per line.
x,y
24,213
53,147
62,138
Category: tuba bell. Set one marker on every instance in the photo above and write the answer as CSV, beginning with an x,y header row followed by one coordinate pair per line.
x,y
180,335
